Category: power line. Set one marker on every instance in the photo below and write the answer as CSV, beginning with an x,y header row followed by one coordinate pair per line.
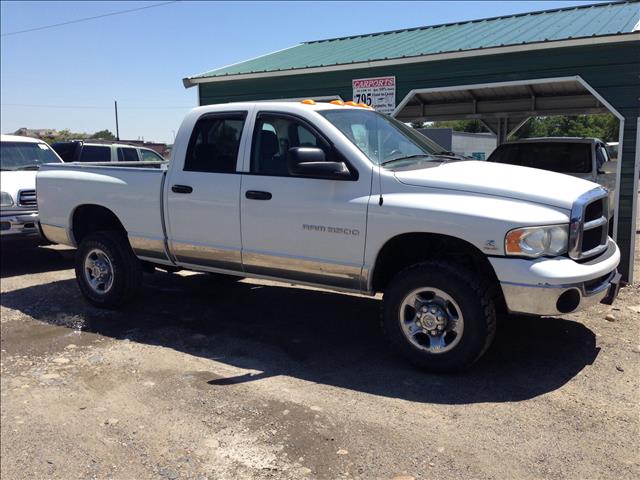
x,y
121,12
31,105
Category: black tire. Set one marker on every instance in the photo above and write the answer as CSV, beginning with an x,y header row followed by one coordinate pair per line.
x,y
474,299
127,269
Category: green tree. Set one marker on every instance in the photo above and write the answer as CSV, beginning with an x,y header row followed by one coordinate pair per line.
x,y
603,126
471,126
104,135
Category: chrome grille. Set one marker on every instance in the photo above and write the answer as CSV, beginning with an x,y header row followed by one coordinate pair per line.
x,y
588,231
27,198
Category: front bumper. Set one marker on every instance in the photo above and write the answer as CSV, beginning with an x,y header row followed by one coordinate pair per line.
x,y
19,225
556,286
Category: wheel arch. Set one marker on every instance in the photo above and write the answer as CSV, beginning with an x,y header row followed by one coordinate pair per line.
x,y
407,249
89,218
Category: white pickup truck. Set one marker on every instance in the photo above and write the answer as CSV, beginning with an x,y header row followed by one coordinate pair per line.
x,y
345,198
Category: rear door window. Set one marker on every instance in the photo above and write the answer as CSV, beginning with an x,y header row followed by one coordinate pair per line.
x,y
95,153
215,143
127,155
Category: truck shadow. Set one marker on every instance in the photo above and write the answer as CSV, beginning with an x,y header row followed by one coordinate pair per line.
x,y
22,258
314,335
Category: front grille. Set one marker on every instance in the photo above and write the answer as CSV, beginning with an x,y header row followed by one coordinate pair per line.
x,y
589,224
27,198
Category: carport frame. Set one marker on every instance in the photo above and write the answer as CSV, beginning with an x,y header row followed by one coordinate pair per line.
x,y
412,93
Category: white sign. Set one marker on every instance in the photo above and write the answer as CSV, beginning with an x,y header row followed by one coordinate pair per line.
x,y
379,93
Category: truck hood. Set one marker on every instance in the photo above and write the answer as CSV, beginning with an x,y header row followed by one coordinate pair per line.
x,y
521,183
12,182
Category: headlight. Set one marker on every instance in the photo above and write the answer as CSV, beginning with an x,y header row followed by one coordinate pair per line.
x,y
5,200
537,241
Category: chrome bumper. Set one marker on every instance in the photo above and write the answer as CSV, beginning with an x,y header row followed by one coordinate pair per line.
x,y
560,299
19,225
555,286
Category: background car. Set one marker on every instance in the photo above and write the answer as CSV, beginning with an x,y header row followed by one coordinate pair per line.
x,y
96,151
586,158
20,159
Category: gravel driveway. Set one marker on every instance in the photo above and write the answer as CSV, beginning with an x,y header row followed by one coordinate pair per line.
x,y
254,379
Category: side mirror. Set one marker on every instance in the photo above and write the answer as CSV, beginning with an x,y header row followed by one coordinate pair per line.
x,y
311,162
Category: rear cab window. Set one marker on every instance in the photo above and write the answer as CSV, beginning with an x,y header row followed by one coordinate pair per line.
x,y
560,157
66,150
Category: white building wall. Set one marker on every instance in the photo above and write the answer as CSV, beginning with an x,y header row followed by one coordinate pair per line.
x,y
477,145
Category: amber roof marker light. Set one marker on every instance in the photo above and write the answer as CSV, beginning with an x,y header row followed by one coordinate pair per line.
x,y
308,101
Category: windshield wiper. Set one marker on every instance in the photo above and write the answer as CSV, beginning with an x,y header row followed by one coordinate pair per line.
x,y
406,157
29,167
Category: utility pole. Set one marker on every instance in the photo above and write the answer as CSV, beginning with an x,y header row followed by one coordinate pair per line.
x,y
117,129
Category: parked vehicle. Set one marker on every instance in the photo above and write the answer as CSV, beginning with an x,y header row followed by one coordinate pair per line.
x,y
345,198
20,158
586,158
100,151
612,150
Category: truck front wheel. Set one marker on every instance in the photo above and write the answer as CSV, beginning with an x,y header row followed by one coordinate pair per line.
x,y
107,271
438,315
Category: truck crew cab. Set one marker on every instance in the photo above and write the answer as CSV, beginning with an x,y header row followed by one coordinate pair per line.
x,y
342,197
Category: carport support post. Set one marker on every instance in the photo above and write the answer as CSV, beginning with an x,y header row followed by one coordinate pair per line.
x,y
503,130
627,205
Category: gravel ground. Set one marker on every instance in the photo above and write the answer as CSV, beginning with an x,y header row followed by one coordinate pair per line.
x,y
253,379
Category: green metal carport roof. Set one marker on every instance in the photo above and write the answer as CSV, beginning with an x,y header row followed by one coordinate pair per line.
x,y
528,29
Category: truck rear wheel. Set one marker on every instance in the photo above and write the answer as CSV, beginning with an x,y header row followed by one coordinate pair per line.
x,y
440,316
107,271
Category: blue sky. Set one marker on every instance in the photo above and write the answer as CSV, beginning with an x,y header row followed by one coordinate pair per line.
x,y
139,58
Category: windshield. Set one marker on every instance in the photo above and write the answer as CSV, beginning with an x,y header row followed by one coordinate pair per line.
x,y
382,139
25,156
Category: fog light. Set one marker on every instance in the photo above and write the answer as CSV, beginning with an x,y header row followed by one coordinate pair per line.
x,y
568,301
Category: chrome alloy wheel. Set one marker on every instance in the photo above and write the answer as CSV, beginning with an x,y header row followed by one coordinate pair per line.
x,y
98,271
431,320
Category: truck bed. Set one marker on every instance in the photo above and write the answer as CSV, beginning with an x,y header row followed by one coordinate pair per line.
x,y
130,190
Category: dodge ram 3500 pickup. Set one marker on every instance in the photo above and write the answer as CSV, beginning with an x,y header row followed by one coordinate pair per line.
x,y
345,198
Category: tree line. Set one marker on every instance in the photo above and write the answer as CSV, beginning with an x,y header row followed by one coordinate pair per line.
x,y
604,127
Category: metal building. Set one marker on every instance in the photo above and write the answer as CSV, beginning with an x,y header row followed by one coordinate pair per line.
x,y
502,71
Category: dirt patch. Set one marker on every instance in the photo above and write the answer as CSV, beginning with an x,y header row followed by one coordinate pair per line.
x,y
252,380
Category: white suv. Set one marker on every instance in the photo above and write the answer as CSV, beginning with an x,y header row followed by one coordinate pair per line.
x,y
20,159
100,151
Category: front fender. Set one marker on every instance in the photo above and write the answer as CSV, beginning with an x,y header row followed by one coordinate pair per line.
x,y
480,220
